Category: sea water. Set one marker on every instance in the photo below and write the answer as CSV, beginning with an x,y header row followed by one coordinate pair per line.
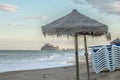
x,y
14,60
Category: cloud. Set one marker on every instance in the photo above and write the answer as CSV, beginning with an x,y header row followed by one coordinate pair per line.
x,y
11,24
8,7
77,1
36,18
14,25
109,6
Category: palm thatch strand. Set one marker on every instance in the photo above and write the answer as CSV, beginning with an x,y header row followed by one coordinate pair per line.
x,y
75,22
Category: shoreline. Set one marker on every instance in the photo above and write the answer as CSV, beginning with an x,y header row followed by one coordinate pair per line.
x,y
37,69
59,73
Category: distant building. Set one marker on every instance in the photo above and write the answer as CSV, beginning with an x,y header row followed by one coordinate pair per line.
x,y
49,47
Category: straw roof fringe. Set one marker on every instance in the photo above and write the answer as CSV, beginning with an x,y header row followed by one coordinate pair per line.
x,y
116,41
75,22
108,36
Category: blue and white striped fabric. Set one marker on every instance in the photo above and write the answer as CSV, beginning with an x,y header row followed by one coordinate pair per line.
x,y
116,56
99,59
105,57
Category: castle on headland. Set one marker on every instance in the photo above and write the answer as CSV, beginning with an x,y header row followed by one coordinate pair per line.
x,y
49,46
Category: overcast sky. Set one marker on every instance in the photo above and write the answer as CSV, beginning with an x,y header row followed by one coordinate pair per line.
x,y
21,21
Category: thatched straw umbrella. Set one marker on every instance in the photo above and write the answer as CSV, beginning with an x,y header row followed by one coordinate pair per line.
x,y
74,24
116,41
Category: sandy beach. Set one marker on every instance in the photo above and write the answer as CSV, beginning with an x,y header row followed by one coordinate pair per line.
x,y
61,73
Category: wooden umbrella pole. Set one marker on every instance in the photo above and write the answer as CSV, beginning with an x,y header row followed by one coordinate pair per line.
x,y
76,56
86,55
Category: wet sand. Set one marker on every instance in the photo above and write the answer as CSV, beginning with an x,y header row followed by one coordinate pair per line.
x,y
61,73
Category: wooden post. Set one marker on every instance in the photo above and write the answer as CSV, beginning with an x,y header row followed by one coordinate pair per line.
x,y
86,55
76,56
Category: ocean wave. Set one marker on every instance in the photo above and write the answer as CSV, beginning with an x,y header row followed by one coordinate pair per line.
x,y
36,60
